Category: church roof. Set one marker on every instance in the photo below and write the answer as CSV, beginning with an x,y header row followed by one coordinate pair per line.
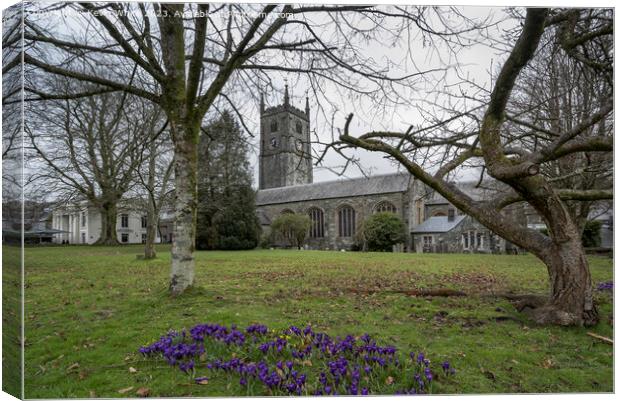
x,y
373,185
473,189
437,224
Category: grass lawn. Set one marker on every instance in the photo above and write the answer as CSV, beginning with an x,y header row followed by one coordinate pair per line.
x,y
89,309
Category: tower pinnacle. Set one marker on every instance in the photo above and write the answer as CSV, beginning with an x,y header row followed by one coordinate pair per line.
x,y
286,98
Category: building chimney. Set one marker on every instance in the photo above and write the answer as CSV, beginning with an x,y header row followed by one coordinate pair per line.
x,y
450,214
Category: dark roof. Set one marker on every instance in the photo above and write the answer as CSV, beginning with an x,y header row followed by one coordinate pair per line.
x,y
378,184
468,187
438,224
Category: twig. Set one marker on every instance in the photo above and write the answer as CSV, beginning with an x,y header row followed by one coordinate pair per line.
x,y
604,339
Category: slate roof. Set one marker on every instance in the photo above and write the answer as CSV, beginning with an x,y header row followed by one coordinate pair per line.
x,y
468,187
373,185
438,224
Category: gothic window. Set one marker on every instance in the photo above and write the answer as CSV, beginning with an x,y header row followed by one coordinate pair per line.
x,y
317,222
385,206
346,221
274,126
298,127
124,220
143,221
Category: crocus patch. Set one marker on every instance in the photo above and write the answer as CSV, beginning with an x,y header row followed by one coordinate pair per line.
x,y
297,361
605,286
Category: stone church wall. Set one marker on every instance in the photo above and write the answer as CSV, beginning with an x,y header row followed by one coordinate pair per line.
x,y
363,206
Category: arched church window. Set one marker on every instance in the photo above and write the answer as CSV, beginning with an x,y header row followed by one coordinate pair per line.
x,y
385,206
346,221
274,126
298,127
317,222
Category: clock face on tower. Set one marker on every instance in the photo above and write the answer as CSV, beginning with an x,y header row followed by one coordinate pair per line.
x,y
274,142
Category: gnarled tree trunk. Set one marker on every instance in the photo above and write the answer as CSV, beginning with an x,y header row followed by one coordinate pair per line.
x,y
108,224
570,302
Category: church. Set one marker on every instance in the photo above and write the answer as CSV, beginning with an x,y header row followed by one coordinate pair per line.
x,y
337,208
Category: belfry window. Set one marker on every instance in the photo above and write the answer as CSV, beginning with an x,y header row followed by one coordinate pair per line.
x,y
274,126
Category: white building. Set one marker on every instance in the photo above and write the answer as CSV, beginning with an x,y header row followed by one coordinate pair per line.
x,y
82,225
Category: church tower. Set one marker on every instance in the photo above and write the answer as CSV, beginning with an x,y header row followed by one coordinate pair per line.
x,y
285,154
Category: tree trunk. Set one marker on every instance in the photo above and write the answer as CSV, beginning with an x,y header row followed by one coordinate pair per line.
x,y
151,233
108,224
185,165
571,299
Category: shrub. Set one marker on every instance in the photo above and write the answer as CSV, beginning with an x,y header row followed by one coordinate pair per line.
x,y
292,228
381,231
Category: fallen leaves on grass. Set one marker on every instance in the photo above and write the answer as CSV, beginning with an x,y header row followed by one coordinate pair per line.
x,y
143,392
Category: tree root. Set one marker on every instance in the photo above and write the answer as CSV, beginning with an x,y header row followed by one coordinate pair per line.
x,y
439,292
538,308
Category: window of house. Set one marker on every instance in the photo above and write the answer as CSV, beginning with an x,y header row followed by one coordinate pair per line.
x,y
465,240
83,219
317,222
428,240
479,240
144,238
385,206
83,238
346,221
124,238
472,238
124,220
143,221
274,126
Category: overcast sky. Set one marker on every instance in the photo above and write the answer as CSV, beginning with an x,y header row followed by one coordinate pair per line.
x,y
476,62
405,56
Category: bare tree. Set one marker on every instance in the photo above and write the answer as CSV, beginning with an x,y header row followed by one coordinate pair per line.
x,y
89,149
187,57
585,36
154,177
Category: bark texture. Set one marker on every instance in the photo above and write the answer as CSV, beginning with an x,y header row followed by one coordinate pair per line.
x,y
185,205
108,224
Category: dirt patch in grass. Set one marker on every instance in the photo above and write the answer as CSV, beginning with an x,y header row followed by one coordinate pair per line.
x,y
472,282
